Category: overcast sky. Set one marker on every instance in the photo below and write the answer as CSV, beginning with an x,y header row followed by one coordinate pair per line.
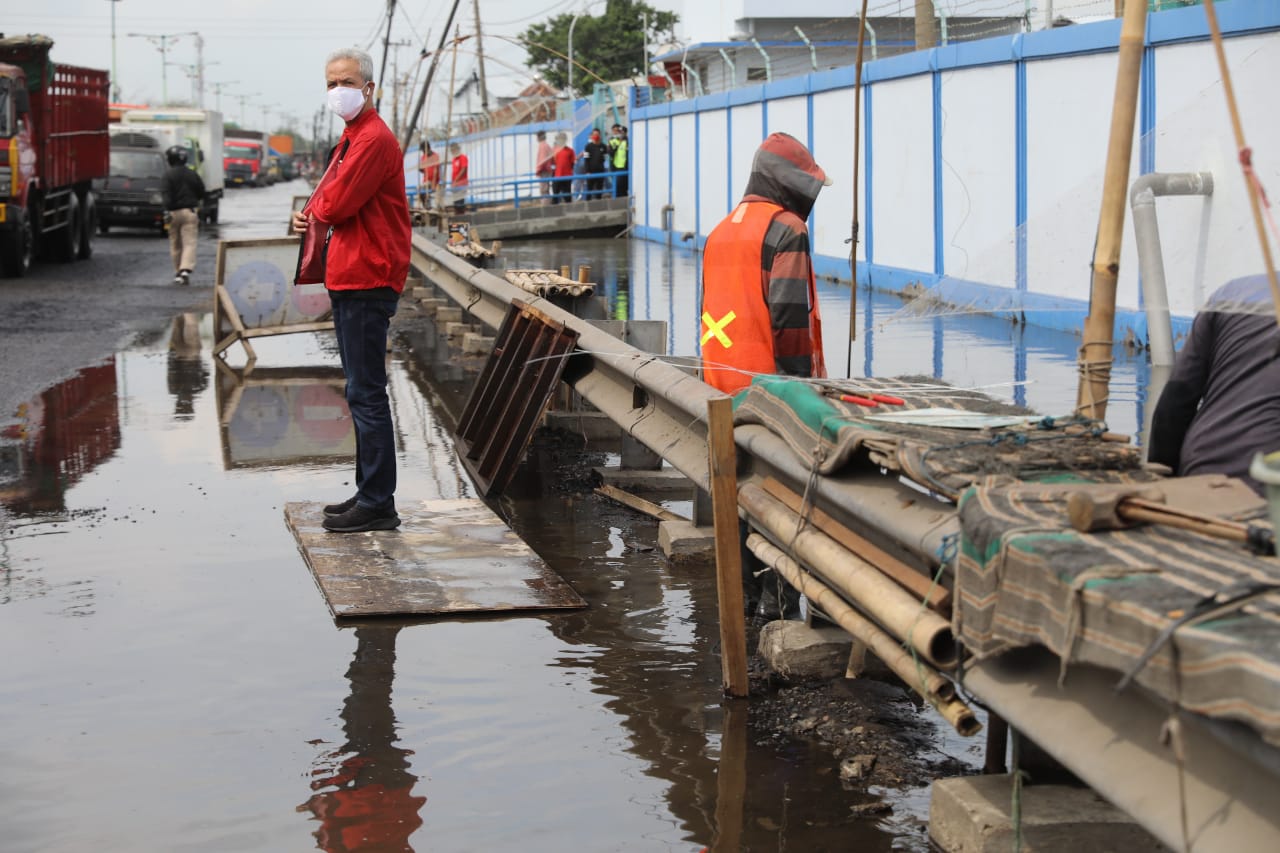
x,y
272,51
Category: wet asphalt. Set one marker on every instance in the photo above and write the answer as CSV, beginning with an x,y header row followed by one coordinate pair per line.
x,y
174,681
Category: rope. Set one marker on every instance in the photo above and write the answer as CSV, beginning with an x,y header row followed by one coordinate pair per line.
x,y
1256,196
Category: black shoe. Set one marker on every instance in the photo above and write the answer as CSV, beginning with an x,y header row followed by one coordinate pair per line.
x,y
339,509
359,519
185,275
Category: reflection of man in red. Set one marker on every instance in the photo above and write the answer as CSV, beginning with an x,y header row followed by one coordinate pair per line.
x,y
366,802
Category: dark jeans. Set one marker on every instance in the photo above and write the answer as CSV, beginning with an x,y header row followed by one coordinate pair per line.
x,y
595,185
562,190
361,327
621,180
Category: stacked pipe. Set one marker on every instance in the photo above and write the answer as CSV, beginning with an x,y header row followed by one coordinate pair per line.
x,y
912,640
550,282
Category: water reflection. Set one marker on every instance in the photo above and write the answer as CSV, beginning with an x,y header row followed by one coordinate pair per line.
x,y
364,789
283,416
1029,365
59,437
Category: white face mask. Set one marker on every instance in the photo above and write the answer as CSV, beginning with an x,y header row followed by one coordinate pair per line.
x,y
346,102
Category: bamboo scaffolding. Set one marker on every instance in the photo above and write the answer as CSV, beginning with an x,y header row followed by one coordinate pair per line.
x,y
931,685
1099,326
854,578
549,283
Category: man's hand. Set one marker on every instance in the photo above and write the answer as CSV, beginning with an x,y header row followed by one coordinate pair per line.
x,y
299,222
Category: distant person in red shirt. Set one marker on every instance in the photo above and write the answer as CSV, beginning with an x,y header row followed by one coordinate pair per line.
x,y
565,161
429,165
458,178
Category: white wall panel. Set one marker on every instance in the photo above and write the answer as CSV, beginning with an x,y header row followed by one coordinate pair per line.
x,y
640,155
683,175
748,133
1207,242
832,148
790,115
979,175
658,157
713,171
1068,122
902,201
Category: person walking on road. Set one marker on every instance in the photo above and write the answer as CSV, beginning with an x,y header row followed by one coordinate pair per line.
x,y
183,192
362,199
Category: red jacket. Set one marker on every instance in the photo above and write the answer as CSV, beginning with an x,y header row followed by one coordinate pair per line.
x,y
364,200
565,158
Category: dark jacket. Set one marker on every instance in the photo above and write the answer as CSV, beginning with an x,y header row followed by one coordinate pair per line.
x,y
1222,402
182,188
595,155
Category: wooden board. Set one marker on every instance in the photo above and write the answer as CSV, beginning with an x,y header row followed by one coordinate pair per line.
x,y
447,557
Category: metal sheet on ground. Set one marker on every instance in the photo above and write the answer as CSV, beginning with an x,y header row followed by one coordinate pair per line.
x,y
448,557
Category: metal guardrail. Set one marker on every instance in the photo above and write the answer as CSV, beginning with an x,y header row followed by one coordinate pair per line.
x,y
665,408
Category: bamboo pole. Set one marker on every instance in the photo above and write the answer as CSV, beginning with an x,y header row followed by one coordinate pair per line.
x,y
857,160
1099,326
638,503
1246,154
920,677
856,579
724,503
936,596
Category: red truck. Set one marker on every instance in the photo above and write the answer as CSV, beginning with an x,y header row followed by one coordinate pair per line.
x,y
53,144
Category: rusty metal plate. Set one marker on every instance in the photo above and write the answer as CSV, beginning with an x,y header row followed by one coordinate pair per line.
x,y
447,557
511,393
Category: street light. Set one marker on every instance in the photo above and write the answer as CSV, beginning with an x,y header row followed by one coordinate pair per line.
x,y
162,41
115,81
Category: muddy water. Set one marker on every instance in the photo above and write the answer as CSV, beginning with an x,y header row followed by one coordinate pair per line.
x,y
173,680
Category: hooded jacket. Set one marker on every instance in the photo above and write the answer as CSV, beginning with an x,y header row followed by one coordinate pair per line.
x,y
757,268
364,200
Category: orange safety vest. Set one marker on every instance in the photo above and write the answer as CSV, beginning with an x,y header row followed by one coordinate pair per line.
x,y
737,332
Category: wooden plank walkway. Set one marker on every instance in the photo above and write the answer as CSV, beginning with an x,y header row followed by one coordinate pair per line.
x,y
447,557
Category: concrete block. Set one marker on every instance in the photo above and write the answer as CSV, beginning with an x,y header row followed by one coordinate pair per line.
x,y
448,315
666,482
455,329
474,343
421,293
972,815
593,426
684,543
794,650
433,304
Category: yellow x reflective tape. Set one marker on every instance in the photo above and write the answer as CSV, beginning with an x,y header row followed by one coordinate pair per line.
x,y
715,329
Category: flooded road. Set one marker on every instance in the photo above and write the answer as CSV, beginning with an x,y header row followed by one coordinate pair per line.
x,y
174,681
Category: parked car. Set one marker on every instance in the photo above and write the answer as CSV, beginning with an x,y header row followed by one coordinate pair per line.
x,y
130,194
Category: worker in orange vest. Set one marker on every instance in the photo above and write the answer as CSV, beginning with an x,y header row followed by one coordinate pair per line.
x,y
760,310
759,304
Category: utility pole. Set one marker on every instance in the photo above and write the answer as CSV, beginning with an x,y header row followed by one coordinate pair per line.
x,y
115,81
199,70
484,90
426,87
926,26
386,46
395,83
217,92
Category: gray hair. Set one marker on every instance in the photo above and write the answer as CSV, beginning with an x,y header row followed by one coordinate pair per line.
x,y
364,60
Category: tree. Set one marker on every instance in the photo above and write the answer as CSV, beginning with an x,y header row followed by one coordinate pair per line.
x,y
610,46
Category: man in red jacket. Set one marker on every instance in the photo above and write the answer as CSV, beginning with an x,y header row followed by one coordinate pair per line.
x,y
362,199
